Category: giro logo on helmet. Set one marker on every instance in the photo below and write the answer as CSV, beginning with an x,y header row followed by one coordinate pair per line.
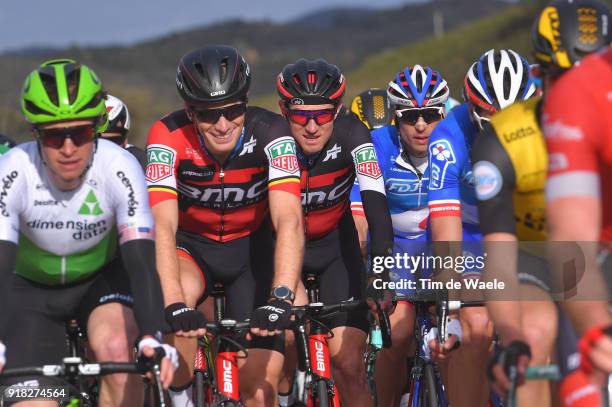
x,y
217,93
296,101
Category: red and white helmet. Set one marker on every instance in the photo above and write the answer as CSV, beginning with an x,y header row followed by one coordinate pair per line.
x,y
118,115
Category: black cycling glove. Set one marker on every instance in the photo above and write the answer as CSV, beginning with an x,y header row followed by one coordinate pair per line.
x,y
182,318
274,315
508,357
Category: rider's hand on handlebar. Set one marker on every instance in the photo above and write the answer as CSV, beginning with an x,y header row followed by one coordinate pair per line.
x,y
185,321
272,318
508,361
596,351
169,363
383,298
454,336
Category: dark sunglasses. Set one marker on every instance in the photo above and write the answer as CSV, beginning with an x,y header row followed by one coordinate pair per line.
x,y
55,137
411,116
213,115
302,117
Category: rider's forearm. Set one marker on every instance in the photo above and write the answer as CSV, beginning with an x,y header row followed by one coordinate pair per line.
x,y
447,233
575,227
167,264
501,263
8,254
139,260
288,252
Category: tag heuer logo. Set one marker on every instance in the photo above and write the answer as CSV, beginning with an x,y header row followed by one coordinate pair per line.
x,y
160,162
367,164
90,206
282,156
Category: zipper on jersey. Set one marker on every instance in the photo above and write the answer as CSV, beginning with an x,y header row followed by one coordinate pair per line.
x,y
415,170
222,179
306,203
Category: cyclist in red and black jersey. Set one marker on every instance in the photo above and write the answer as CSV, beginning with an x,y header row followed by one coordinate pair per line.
x,y
221,176
332,151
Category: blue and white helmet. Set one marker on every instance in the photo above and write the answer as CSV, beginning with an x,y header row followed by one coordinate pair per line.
x,y
418,86
498,79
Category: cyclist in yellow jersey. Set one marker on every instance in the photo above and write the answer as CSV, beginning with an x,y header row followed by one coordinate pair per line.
x,y
510,168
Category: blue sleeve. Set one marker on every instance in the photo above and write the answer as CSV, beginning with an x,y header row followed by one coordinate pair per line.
x,y
355,193
445,158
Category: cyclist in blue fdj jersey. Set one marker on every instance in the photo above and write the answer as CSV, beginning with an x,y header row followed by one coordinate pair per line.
x,y
494,81
417,96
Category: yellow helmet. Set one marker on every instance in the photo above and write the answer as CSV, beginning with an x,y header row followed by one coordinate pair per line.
x,y
372,108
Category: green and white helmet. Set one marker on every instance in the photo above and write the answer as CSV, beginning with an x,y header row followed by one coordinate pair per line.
x,y
61,90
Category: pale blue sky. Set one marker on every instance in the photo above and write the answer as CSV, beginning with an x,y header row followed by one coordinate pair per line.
x,y
85,22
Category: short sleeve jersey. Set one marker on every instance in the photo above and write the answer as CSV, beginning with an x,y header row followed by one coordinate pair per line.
x,y
510,164
224,201
66,236
451,183
405,186
577,125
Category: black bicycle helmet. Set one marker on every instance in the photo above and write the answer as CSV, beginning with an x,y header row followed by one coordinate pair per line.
x,y
308,82
567,30
213,74
372,108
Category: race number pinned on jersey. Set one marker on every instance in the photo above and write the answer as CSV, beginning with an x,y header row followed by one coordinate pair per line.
x,y
366,162
441,155
160,160
282,155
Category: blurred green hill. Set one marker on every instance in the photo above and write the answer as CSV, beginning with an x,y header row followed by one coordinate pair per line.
x,y
370,45
451,54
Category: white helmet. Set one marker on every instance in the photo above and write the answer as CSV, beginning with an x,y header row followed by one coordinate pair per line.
x,y
498,79
118,115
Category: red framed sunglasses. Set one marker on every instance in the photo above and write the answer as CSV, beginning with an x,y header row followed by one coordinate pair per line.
x,y
302,117
55,137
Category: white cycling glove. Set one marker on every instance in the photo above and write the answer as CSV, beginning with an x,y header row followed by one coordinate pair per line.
x,y
168,349
453,327
2,354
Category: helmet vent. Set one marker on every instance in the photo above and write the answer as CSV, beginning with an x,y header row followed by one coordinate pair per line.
x,y
95,101
198,67
223,70
73,78
312,78
33,109
48,81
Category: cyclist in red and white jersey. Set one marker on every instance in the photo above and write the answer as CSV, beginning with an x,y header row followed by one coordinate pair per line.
x,y
578,128
221,177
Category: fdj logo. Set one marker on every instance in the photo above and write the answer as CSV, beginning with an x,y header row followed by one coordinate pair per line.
x,y
90,206
160,161
282,156
367,164
402,187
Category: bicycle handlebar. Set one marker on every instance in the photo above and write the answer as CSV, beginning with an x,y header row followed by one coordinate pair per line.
x,y
84,369
227,325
